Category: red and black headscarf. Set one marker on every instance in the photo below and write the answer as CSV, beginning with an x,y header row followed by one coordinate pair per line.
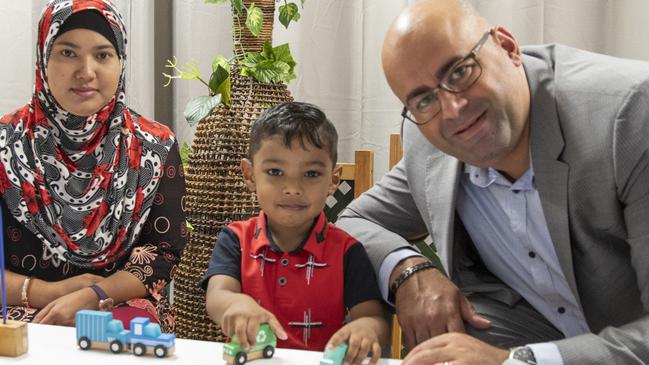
x,y
83,185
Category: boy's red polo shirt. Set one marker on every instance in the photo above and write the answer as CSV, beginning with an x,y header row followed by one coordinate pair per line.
x,y
304,289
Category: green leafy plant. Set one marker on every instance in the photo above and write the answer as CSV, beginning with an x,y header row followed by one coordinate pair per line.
x,y
271,65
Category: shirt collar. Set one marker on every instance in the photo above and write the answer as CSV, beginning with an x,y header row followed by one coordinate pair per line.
x,y
484,177
312,244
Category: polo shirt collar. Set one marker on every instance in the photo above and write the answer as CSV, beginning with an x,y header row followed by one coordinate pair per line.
x,y
313,243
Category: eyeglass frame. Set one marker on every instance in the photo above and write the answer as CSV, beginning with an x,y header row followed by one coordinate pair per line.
x,y
472,54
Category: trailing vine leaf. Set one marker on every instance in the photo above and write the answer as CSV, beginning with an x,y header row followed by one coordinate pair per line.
x,y
220,61
199,107
220,84
271,65
302,3
288,13
237,5
188,71
254,20
185,151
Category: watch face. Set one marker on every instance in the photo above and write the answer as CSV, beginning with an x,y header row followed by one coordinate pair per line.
x,y
524,354
106,305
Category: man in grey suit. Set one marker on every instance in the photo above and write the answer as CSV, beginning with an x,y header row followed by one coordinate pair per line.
x,y
530,170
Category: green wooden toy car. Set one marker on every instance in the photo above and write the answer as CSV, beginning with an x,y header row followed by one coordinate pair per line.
x,y
265,343
335,356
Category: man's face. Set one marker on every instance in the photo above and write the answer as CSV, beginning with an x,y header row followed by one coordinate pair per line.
x,y
482,125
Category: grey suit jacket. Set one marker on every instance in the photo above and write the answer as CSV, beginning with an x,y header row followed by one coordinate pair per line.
x,y
590,153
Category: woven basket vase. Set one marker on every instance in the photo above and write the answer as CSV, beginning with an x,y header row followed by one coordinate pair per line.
x,y
216,194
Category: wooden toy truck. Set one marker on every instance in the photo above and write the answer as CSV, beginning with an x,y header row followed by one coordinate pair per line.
x,y
97,329
265,344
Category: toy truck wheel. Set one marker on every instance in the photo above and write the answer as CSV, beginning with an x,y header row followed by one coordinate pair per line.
x,y
116,346
269,351
84,343
139,349
160,351
240,359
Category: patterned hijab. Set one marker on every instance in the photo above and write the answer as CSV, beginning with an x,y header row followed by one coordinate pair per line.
x,y
83,185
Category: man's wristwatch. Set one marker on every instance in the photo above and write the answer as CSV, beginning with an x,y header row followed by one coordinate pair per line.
x,y
106,304
521,355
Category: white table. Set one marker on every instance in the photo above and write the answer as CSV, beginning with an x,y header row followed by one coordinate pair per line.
x,y
57,345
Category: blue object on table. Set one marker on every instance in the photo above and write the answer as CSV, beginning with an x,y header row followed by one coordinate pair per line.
x,y
335,356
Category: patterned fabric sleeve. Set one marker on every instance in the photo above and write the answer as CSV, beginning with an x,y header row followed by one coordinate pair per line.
x,y
164,233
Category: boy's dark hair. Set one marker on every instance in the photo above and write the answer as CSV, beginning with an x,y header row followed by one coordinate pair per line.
x,y
295,120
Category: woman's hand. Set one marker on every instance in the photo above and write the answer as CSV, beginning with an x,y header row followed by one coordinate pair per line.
x,y
61,311
361,339
42,293
243,317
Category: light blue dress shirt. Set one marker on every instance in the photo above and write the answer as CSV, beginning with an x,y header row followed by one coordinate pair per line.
x,y
506,223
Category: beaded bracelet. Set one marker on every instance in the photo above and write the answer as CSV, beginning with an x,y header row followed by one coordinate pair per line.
x,y
23,293
405,274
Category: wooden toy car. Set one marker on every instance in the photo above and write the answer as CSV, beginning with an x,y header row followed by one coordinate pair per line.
x,y
335,356
265,343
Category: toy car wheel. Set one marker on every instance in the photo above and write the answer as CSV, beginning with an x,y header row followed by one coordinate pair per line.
x,y
241,358
269,351
116,347
160,351
84,343
139,349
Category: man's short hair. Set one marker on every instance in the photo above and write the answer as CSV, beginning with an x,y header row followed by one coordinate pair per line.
x,y
295,121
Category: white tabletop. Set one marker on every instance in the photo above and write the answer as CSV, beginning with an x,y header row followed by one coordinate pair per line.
x,y
57,345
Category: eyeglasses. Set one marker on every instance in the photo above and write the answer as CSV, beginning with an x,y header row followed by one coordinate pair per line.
x,y
422,108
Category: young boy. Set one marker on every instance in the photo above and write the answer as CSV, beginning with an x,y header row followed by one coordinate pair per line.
x,y
289,266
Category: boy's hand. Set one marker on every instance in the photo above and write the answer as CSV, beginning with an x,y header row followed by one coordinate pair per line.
x,y
243,318
361,339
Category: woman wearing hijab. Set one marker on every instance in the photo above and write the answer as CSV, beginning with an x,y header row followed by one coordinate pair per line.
x,y
91,191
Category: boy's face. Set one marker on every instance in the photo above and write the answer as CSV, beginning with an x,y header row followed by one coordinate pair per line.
x,y
292,184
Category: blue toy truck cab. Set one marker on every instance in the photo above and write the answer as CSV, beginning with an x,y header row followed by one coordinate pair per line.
x,y
265,344
146,335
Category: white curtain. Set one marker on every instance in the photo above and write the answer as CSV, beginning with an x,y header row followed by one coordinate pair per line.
x,y
337,47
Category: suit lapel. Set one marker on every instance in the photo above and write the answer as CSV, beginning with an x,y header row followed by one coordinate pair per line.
x,y
550,174
442,173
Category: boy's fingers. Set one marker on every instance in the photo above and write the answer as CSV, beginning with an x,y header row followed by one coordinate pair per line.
x,y
376,353
352,350
251,331
363,350
242,336
338,338
277,328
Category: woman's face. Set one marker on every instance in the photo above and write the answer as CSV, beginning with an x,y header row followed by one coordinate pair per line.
x,y
83,71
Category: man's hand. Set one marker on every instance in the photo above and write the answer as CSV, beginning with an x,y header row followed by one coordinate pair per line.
x,y
61,311
428,304
243,318
455,348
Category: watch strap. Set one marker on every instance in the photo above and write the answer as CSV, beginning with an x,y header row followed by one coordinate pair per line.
x,y
105,303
